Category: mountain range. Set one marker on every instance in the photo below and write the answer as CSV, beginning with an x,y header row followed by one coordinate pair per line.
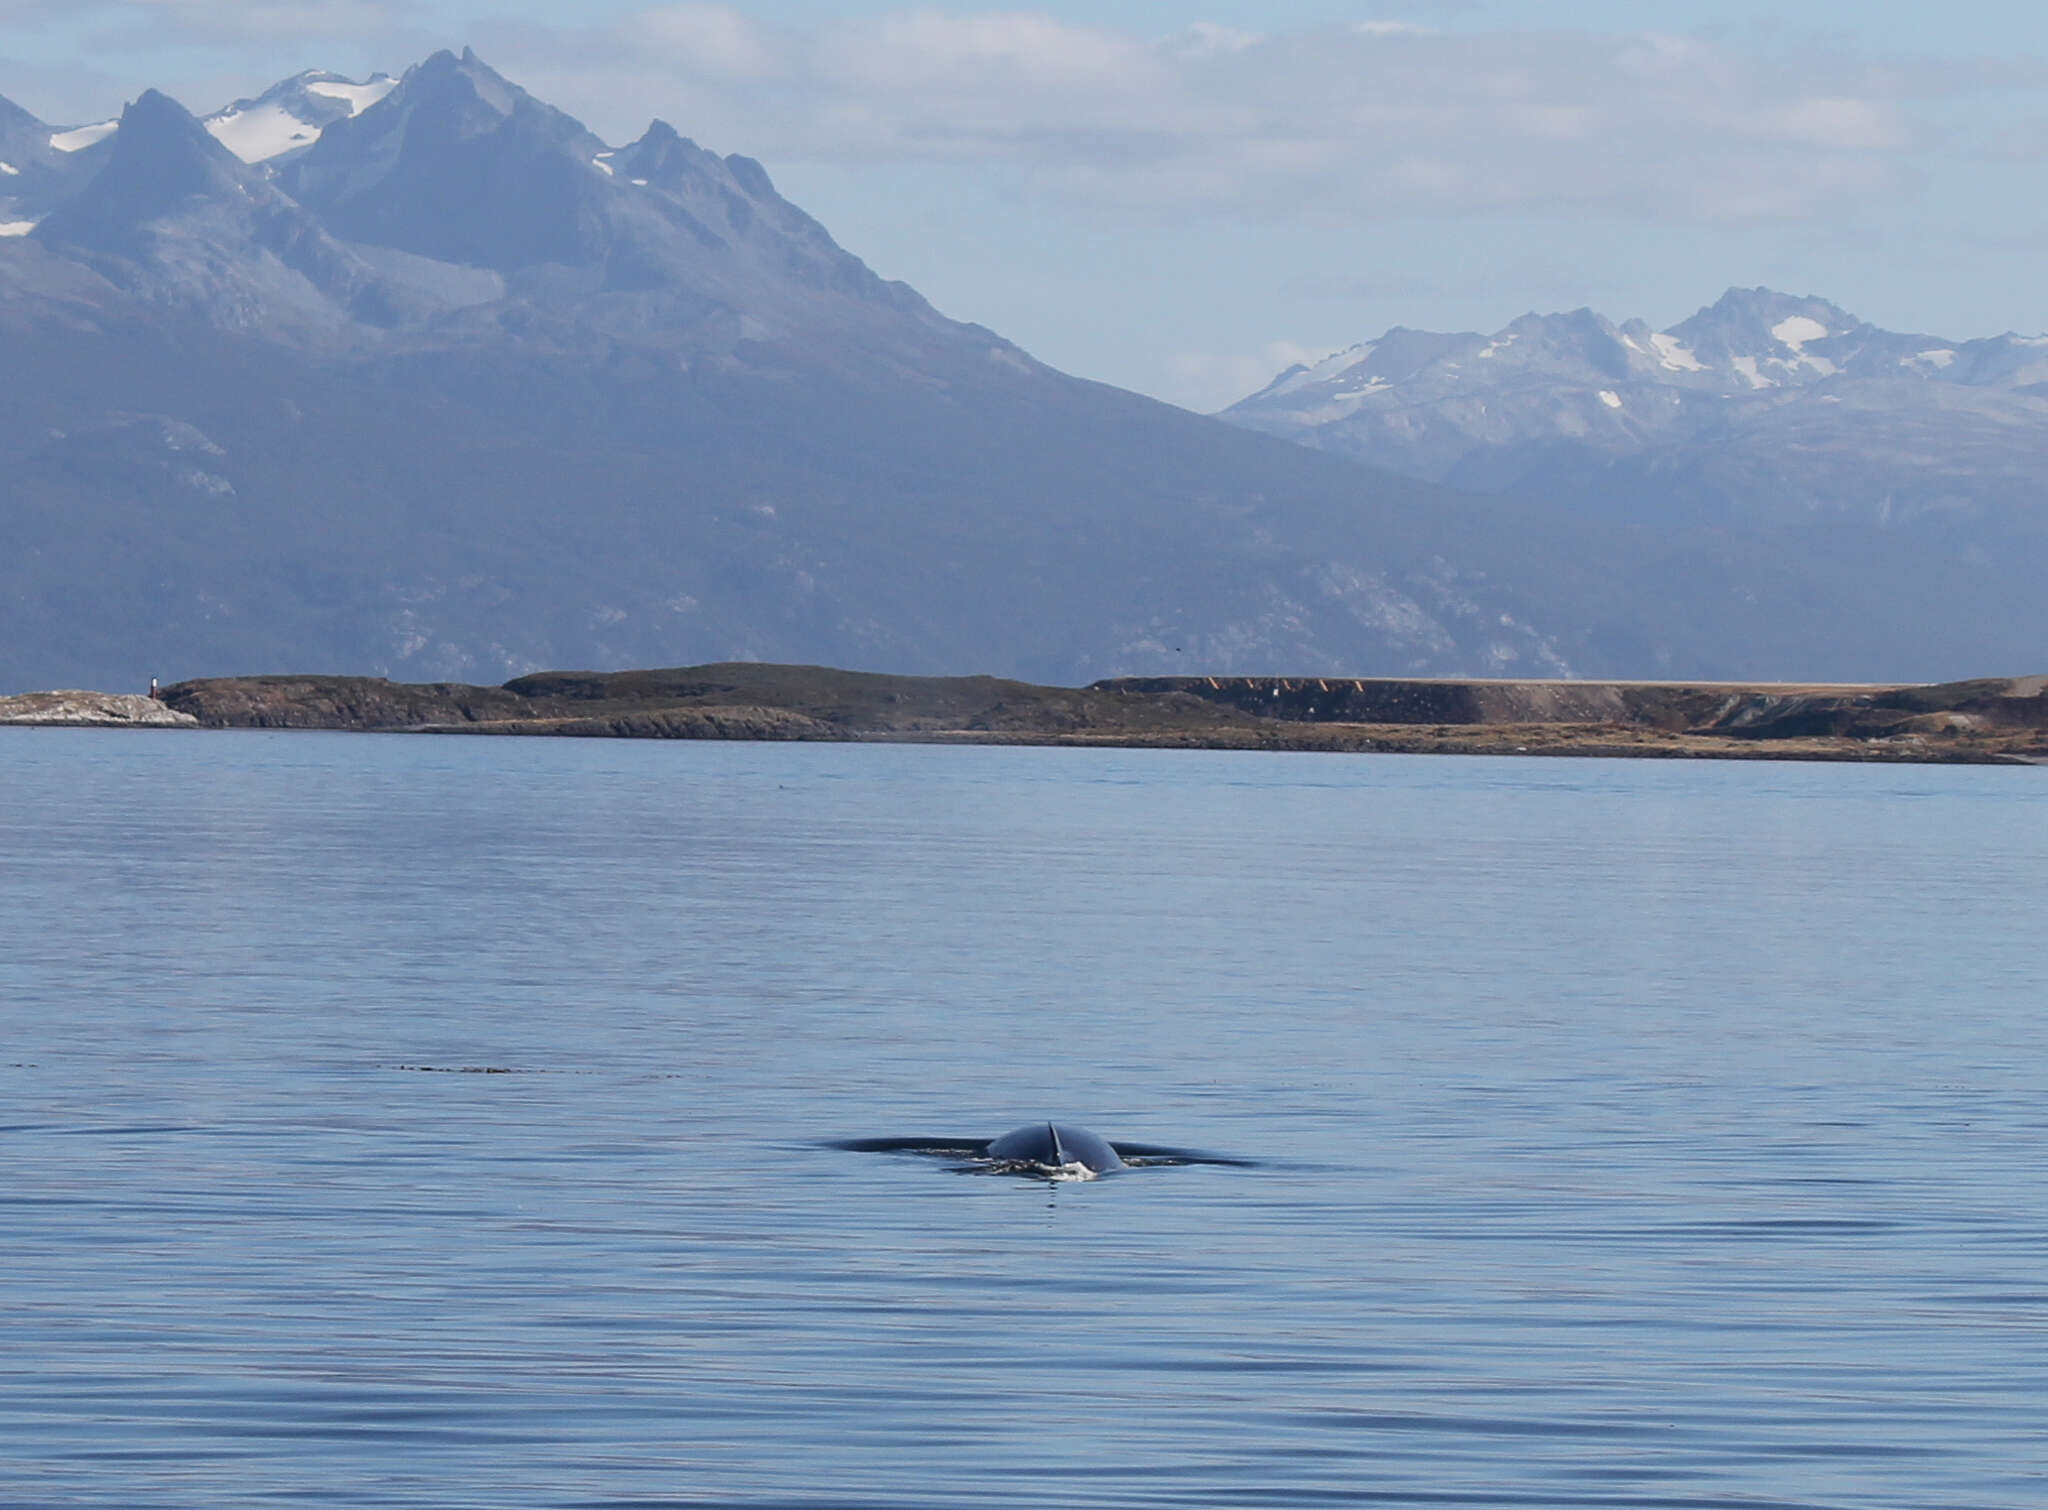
x,y
1764,412
418,377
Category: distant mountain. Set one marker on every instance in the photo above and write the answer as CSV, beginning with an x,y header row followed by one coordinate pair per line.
x,y
1763,411
421,378
457,389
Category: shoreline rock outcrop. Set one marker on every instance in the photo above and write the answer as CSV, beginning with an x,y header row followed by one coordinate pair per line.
x,y
75,709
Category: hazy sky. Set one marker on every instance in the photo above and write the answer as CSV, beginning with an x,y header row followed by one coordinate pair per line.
x,y
1180,198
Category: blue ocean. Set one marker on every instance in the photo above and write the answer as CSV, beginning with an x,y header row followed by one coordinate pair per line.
x,y
397,1121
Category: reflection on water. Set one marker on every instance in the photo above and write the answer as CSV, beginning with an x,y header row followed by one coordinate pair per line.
x,y
406,1122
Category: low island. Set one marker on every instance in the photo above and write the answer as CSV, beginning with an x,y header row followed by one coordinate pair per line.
x,y
1993,720
1999,720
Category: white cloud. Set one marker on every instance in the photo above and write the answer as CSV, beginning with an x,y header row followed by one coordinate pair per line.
x,y
1333,124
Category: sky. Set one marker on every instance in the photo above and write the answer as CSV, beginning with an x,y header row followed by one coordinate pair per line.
x,y
1183,198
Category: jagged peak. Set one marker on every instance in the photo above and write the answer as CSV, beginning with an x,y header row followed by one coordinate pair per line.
x,y
663,153
160,162
436,107
1762,296
444,70
1760,303
449,97
1583,318
154,110
455,165
166,152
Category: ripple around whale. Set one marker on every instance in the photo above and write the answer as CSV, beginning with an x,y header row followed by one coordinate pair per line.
x,y
974,1156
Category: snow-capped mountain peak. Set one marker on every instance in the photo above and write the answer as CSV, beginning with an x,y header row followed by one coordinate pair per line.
x,y
292,114
287,116
1751,343
1556,404
1755,339
334,212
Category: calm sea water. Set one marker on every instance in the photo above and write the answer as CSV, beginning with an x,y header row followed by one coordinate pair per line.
x,y
1626,1134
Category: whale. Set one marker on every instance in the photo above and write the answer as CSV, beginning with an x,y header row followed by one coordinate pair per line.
x,y
1051,1145
1039,1149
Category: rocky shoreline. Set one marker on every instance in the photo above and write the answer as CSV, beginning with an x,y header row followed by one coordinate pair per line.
x,y
1988,721
92,710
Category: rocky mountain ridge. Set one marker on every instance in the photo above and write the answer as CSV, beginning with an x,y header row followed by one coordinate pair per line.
x,y
453,389
443,207
456,387
1763,409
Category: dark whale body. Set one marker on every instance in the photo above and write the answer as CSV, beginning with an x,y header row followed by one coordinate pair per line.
x,y
1041,1148
1049,1145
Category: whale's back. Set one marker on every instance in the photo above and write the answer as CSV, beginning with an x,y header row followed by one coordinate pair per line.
x,y
1055,1145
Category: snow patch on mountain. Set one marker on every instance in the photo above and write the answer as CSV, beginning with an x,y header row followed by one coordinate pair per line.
x,y
358,97
282,119
1674,355
260,132
292,114
78,138
1796,330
